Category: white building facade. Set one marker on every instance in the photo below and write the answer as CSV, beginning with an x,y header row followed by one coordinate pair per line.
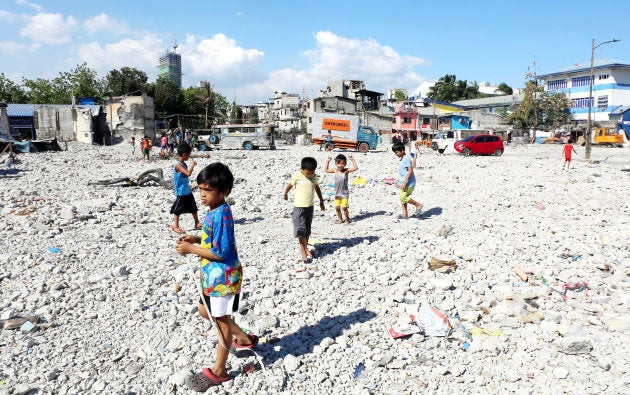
x,y
611,89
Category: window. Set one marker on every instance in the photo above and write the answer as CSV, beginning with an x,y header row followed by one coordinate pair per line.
x,y
557,84
602,77
580,103
406,119
602,103
579,81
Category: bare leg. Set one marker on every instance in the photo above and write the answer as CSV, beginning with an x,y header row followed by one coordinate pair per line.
x,y
404,210
338,209
417,204
197,223
224,326
345,211
303,245
176,220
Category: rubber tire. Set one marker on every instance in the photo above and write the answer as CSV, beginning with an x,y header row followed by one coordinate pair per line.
x,y
466,152
329,147
202,147
498,152
248,146
214,139
363,148
272,147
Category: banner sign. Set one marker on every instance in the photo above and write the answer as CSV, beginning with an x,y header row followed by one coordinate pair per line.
x,y
335,124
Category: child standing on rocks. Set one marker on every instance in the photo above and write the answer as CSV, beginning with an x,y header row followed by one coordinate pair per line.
x,y
306,185
221,272
145,146
342,192
184,199
407,181
133,146
568,148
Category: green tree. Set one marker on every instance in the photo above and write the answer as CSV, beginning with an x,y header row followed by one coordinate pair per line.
x,y
236,113
126,80
400,95
43,91
10,92
253,116
504,89
169,98
556,109
81,82
449,89
528,114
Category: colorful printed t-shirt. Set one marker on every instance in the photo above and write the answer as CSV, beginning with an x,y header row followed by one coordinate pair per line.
x,y
220,278
304,190
404,167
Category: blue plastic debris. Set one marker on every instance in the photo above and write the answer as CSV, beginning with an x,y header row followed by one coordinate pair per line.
x,y
54,250
358,371
465,345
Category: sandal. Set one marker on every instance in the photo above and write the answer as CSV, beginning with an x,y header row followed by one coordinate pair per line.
x,y
176,229
200,382
338,222
252,338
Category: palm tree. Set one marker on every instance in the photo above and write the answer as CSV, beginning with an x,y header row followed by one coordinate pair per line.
x,y
504,88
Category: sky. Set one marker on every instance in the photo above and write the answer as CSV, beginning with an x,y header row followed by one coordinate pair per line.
x,y
248,49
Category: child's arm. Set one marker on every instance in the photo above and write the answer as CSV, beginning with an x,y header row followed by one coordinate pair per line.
x,y
318,191
184,248
182,169
286,191
354,167
327,169
573,148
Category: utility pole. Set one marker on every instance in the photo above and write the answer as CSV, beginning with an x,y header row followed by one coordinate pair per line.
x,y
587,132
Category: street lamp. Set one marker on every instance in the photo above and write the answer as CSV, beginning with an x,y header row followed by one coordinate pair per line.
x,y
587,133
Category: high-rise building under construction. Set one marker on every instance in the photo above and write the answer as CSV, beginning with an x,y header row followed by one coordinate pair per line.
x,y
171,66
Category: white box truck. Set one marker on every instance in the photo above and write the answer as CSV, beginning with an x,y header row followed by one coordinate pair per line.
x,y
346,132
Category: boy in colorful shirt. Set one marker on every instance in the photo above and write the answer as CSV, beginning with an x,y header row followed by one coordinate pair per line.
x,y
305,183
221,272
407,181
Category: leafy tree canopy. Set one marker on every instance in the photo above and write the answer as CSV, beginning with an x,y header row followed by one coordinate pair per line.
x,y
450,89
10,92
126,80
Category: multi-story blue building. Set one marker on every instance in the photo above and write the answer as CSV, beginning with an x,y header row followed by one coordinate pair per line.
x,y
611,89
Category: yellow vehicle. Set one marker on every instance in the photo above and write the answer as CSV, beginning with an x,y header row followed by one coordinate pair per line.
x,y
604,136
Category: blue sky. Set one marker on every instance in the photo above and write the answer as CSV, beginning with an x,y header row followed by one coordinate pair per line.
x,y
249,49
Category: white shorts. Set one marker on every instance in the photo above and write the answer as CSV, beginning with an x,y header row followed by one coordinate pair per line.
x,y
222,305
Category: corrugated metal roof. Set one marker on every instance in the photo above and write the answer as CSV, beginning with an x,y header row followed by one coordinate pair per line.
x,y
26,110
586,66
619,110
491,101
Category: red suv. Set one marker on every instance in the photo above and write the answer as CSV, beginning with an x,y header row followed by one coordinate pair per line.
x,y
480,144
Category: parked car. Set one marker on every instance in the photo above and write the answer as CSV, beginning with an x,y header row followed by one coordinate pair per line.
x,y
480,144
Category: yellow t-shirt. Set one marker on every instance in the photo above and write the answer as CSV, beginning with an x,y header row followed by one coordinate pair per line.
x,y
304,190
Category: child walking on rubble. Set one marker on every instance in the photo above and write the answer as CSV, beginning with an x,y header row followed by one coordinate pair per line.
x,y
221,272
306,185
342,192
568,149
184,199
407,181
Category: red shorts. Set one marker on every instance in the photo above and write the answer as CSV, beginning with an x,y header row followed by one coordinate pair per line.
x,y
567,159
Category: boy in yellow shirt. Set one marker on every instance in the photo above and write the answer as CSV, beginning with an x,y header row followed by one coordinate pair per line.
x,y
305,183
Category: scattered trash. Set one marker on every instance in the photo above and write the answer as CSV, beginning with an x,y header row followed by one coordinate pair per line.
x,y
432,321
15,323
465,345
404,330
28,326
521,273
177,287
359,181
539,206
435,264
476,331
54,250
250,367
27,210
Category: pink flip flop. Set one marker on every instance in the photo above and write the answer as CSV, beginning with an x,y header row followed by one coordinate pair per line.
x,y
252,338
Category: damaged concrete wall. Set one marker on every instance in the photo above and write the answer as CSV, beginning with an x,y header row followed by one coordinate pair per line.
x,y
54,122
131,116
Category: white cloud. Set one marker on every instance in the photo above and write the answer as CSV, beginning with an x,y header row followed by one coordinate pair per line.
x,y
104,22
15,48
142,54
219,59
336,58
49,28
7,16
34,6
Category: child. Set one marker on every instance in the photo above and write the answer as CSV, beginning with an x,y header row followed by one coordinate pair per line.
x,y
163,145
341,185
221,272
567,154
414,150
304,182
133,146
327,142
145,146
184,199
407,181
